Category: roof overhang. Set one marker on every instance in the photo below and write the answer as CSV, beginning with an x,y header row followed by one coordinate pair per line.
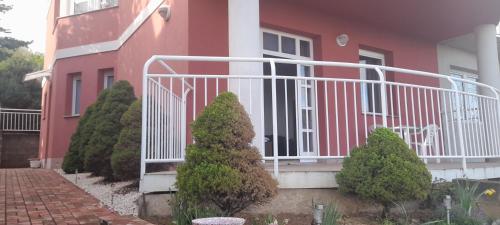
x,y
434,20
38,75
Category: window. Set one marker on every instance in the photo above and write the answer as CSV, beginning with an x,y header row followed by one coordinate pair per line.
x,y
371,92
467,104
286,45
72,7
109,78
76,95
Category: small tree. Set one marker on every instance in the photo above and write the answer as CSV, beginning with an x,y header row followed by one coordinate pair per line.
x,y
385,170
98,151
73,160
126,157
222,168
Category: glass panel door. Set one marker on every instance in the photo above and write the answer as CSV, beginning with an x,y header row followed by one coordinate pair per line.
x,y
306,116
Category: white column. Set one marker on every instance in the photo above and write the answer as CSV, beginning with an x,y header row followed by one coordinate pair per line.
x,y
244,41
487,55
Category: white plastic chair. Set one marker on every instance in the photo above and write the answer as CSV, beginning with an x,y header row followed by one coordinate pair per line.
x,y
430,141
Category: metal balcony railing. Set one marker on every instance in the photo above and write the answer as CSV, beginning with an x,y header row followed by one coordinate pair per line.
x,y
297,116
19,120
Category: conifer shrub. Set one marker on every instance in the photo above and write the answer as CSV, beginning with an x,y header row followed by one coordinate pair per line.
x,y
105,135
222,169
73,159
126,157
385,170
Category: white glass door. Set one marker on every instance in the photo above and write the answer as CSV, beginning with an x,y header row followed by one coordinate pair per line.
x,y
306,113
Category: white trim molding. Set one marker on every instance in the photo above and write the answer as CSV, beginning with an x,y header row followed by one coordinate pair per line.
x,y
114,45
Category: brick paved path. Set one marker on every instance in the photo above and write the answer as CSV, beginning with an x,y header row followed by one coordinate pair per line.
x,y
40,196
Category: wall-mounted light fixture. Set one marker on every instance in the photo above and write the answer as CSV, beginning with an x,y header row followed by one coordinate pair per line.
x,y
165,11
342,40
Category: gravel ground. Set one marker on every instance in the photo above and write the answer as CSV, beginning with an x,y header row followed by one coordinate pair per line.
x,y
110,194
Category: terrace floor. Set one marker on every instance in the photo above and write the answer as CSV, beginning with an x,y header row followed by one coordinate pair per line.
x,y
38,196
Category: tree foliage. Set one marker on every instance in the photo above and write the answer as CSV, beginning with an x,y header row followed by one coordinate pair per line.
x,y
14,92
385,170
73,160
105,135
222,168
126,157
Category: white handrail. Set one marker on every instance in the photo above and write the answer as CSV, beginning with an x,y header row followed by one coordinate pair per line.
x,y
410,105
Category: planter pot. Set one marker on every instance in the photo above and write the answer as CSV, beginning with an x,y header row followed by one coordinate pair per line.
x,y
35,163
219,221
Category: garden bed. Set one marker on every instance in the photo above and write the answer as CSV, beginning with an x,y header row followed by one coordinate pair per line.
x,y
118,196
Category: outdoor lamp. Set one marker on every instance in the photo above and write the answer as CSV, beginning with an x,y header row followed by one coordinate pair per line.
x,y
342,40
165,11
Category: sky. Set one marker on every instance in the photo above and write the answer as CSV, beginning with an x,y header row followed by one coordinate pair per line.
x,y
27,21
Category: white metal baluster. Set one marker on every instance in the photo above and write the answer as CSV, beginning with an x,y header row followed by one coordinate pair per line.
x,y
315,101
171,116
206,93
490,128
407,116
482,129
337,131
374,106
392,106
399,111
421,127
217,87
355,114
364,108
286,118
262,119
275,118
346,121
183,118
453,119
194,98
413,117
430,148
327,116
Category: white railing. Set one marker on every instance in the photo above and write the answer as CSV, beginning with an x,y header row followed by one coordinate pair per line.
x,y
322,117
19,120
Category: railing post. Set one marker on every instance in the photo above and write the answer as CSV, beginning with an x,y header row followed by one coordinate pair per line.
x,y
275,118
145,100
383,95
460,128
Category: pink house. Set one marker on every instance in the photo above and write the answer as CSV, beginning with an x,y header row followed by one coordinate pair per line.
x,y
316,77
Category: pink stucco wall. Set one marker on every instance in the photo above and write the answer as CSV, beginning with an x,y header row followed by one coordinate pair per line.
x,y
201,28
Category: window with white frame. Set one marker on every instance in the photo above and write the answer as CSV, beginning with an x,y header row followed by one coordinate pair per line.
x,y
76,95
73,7
108,79
371,92
468,104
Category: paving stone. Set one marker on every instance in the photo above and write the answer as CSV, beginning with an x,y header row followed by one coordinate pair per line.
x,y
43,197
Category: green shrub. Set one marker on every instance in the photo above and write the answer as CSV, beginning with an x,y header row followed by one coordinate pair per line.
x,y
385,170
73,160
126,157
222,168
98,151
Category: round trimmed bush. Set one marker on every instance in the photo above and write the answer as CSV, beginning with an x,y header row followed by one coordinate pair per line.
x,y
385,170
126,157
73,159
105,136
222,169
